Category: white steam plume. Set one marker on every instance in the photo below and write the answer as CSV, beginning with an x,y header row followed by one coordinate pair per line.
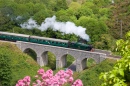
x,y
65,27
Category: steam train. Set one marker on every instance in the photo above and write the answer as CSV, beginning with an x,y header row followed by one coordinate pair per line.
x,y
44,40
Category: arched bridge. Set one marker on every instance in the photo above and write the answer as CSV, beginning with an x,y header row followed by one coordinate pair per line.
x,y
61,53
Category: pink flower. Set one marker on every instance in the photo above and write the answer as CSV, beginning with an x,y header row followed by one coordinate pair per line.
x,y
49,73
38,81
20,83
78,82
40,71
69,72
62,81
47,79
70,80
27,80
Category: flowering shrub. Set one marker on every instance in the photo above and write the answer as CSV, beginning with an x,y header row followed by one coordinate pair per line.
x,y
47,79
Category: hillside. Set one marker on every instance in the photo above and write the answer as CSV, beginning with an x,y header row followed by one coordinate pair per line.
x,y
20,63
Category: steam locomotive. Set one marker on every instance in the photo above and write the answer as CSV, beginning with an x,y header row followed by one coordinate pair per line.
x,y
44,40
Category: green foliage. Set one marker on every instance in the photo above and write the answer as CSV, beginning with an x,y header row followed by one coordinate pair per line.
x,y
14,64
93,26
60,4
70,60
120,12
106,42
90,62
90,76
31,53
51,61
119,76
5,68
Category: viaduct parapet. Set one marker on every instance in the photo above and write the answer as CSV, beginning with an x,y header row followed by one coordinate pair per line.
x,y
60,53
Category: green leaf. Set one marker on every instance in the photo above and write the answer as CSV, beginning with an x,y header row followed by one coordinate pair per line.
x,y
121,72
117,84
111,76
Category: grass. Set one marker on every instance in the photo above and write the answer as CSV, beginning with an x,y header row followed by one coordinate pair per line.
x,y
70,60
91,62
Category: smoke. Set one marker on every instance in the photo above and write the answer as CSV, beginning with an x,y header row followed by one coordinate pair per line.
x,y
112,1
64,27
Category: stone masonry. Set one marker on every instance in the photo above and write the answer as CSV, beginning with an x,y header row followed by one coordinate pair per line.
x,y
80,56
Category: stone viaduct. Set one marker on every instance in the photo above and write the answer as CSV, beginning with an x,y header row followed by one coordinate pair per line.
x,y
61,53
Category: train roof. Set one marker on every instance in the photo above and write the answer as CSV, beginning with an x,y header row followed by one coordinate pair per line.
x,y
52,39
15,34
37,37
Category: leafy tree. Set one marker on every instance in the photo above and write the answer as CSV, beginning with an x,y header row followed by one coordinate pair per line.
x,y
106,42
62,16
60,4
74,7
93,26
101,3
119,17
85,9
120,75
41,16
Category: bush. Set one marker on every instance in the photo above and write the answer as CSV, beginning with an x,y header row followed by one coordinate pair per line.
x,y
5,69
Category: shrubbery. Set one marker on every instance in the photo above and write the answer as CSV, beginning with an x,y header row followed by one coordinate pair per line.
x,y
120,75
14,64
5,69
90,77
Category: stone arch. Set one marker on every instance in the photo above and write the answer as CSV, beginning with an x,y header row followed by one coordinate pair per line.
x,y
31,53
89,61
45,59
66,60
63,60
96,58
83,63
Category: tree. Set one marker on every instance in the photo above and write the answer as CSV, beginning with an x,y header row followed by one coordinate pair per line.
x,y
60,4
85,9
62,16
94,27
41,16
120,75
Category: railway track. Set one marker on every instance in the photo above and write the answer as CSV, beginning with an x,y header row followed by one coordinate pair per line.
x,y
108,54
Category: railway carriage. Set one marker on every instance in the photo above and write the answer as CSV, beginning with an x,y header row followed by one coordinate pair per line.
x,y
81,46
43,40
13,37
49,41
